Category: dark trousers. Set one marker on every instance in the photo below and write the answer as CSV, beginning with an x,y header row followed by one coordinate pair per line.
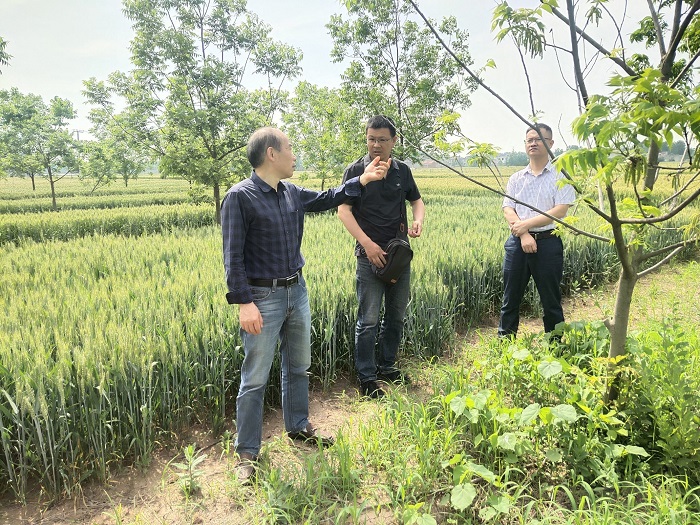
x,y
546,268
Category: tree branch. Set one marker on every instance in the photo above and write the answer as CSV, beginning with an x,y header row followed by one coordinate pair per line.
x,y
659,264
592,42
527,77
657,25
466,67
676,247
502,194
580,80
685,69
677,37
685,187
661,218
500,99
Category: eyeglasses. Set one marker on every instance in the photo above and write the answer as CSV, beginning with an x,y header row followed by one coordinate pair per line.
x,y
536,140
381,141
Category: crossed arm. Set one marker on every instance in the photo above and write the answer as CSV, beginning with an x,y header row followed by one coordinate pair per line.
x,y
521,228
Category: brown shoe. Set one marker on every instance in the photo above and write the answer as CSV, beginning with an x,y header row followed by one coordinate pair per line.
x,y
246,468
312,434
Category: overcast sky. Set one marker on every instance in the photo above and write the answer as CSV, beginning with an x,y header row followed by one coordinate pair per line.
x,y
56,44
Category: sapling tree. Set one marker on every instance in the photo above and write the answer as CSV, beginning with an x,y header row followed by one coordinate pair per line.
x,y
324,128
648,102
113,155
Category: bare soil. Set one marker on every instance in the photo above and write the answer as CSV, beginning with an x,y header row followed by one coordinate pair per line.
x,y
152,495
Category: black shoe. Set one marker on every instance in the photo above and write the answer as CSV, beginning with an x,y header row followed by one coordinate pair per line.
x,y
371,390
311,434
396,377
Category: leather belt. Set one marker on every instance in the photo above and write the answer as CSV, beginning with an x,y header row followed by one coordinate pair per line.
x,y
542,235
284,282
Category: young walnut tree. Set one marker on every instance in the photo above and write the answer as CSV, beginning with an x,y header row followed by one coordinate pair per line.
x,y
651,99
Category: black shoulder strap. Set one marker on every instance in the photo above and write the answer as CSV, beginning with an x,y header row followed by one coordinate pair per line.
x,y
402,221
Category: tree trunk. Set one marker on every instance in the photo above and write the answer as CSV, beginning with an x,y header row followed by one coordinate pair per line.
x,y
53,189
652,162
620,321
33,182
618,327
217,202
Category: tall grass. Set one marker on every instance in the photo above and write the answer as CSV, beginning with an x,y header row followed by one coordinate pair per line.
x,y
14,188
108,341
467,446
67,225
39,205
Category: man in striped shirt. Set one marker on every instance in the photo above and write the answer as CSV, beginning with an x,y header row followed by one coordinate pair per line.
x,y
532,249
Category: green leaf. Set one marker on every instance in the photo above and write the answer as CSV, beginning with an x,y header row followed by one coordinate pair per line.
x,y
458,405
521,354
424,519
482,472
529,413
488,513
459,473
554,455
499,502
479,400
462,496
546,415
508,441
565,412
549,369
636,451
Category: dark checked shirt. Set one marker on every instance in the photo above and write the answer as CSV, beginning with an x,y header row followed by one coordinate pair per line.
x,y
262,229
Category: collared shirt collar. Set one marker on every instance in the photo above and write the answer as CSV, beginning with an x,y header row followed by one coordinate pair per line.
x,y
264,186
548,167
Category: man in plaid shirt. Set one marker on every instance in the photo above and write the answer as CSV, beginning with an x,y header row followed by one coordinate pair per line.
x,y
262,220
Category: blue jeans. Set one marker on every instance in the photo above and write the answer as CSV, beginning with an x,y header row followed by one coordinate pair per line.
x,y
370,293
287,320
546,268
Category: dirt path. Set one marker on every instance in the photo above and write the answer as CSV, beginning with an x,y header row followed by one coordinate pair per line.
x,y
152,496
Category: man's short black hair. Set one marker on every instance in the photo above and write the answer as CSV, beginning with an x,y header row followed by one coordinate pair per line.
x,y
379,122
541,126
258,143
